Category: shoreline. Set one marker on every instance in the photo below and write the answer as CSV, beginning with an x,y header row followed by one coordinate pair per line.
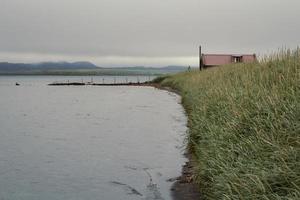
x,y
184,187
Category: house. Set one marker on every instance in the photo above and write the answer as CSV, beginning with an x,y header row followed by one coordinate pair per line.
x,y
211,60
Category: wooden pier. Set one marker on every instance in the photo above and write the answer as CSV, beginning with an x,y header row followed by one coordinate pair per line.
x,y
147,83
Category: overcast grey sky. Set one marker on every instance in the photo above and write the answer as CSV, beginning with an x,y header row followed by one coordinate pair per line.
x,y
143,32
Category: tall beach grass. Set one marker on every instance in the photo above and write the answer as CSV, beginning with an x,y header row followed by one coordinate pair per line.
x,y
244,127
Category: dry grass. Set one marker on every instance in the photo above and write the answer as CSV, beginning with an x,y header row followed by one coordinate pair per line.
x,y
244,127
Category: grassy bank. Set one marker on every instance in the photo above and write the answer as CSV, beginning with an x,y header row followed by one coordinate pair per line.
x,y
244,127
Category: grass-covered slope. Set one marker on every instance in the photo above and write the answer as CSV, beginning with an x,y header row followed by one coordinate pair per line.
x,y
244,127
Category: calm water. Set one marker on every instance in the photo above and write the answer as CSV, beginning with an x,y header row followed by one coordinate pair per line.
x,y
87,142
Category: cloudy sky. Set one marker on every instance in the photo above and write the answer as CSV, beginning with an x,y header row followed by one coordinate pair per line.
x,y
143,32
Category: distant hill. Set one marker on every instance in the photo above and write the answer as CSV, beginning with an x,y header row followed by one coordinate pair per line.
x,y
81,68
10,67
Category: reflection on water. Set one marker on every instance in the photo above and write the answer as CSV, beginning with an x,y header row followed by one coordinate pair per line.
x,y
87,142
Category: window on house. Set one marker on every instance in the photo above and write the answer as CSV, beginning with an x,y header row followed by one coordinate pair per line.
x,y
237,59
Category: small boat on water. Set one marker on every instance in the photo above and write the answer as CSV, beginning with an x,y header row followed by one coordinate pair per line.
x,y
17,84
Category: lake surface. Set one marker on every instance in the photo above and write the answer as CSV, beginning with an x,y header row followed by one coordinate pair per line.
x,y
85,142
